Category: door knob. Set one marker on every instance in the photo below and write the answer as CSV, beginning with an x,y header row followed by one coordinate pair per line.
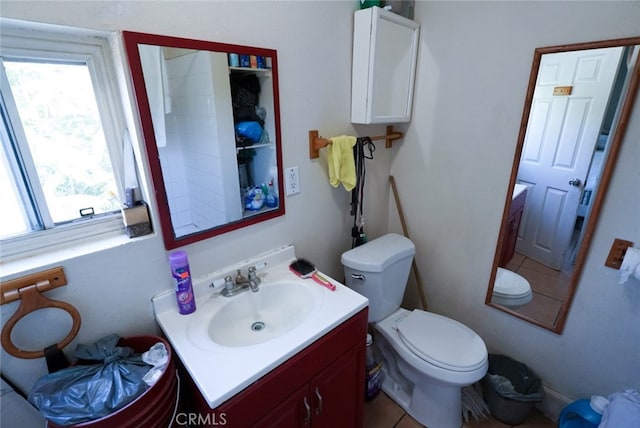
x,y
575,182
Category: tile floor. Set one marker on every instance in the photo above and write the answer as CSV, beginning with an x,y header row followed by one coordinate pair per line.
x,y
548,285
382,412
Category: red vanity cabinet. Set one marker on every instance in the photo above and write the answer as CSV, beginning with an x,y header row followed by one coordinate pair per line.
x,y
512,226
321,386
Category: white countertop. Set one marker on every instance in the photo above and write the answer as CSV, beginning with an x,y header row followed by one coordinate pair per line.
x,y
221,372
518,189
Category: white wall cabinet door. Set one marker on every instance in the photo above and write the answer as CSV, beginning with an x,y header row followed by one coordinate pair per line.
x,y
385,49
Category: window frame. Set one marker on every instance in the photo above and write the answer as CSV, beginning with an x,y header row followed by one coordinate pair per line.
x,y
27,40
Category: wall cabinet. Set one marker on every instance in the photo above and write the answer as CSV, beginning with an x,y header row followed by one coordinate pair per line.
x,y
385,51
322,386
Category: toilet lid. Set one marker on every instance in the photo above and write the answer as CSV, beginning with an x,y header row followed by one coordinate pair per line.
x,y
510,285
441,341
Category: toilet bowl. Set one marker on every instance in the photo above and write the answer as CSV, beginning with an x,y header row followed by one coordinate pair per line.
x,y
432,357
510,289
427,358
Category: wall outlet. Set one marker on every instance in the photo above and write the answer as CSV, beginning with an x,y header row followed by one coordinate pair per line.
x,y
291,180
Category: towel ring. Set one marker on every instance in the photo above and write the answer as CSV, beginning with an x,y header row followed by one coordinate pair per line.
x,y
32,300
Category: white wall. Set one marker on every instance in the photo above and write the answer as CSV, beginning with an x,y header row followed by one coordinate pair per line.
x,y
112,289
474,66
452,170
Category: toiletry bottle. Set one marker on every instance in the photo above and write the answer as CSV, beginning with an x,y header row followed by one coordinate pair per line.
x,y
583,413
374,375
272,199
184,290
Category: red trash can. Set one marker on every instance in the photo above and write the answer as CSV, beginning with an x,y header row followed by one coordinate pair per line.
x,y
154,408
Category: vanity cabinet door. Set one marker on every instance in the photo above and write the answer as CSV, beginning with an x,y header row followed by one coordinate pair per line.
x,y
512,226
333,398
291,413
338,392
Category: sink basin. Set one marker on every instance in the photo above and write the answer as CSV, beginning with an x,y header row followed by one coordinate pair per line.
x,y
251,318
228,324
228,343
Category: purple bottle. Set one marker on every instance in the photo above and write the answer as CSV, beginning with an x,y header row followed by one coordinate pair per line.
x,y
184,290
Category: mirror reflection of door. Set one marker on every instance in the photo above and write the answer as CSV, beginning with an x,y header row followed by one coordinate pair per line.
x,y
573,117
566,135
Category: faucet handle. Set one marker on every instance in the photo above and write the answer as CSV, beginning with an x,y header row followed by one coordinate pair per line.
x,y
252,272
228,282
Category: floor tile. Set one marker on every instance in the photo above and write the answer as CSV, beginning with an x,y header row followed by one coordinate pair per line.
x,y
382,412
541,308
484,423
515,262
408,422
537,420
545,280
549,286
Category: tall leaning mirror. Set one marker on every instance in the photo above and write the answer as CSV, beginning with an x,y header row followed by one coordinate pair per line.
x,y
578,103
211,121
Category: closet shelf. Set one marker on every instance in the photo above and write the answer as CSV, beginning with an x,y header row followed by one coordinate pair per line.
x,y
255,146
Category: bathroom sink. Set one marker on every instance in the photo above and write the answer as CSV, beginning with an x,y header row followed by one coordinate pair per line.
x,y
253,318
223,324
228,343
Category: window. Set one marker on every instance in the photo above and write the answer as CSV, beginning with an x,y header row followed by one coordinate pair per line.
x,y
61,174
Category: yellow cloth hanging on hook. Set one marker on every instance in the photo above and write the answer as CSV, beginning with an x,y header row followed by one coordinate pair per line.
x,y
342,167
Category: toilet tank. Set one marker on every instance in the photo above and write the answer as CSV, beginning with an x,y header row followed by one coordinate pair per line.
x,y
379,271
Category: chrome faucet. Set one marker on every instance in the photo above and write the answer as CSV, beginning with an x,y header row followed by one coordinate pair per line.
x,y
235,286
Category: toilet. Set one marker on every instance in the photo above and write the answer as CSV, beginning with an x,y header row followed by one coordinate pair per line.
x,y
510,289
427,358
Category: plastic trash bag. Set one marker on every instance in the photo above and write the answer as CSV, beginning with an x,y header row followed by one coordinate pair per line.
x,y
249,132
109,378
158,357
514,380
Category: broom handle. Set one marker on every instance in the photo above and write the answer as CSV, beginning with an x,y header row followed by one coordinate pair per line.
x,y
414,266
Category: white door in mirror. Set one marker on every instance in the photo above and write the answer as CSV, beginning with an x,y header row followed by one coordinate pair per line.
x,y
292,183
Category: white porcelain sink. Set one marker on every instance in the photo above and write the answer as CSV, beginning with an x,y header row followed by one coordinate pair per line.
x,y
223,344
251,318
282,304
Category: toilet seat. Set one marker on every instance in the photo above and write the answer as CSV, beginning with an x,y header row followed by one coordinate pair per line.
x,y
441,341
510,285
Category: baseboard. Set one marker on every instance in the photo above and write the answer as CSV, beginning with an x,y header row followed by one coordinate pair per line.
x,y
553,403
